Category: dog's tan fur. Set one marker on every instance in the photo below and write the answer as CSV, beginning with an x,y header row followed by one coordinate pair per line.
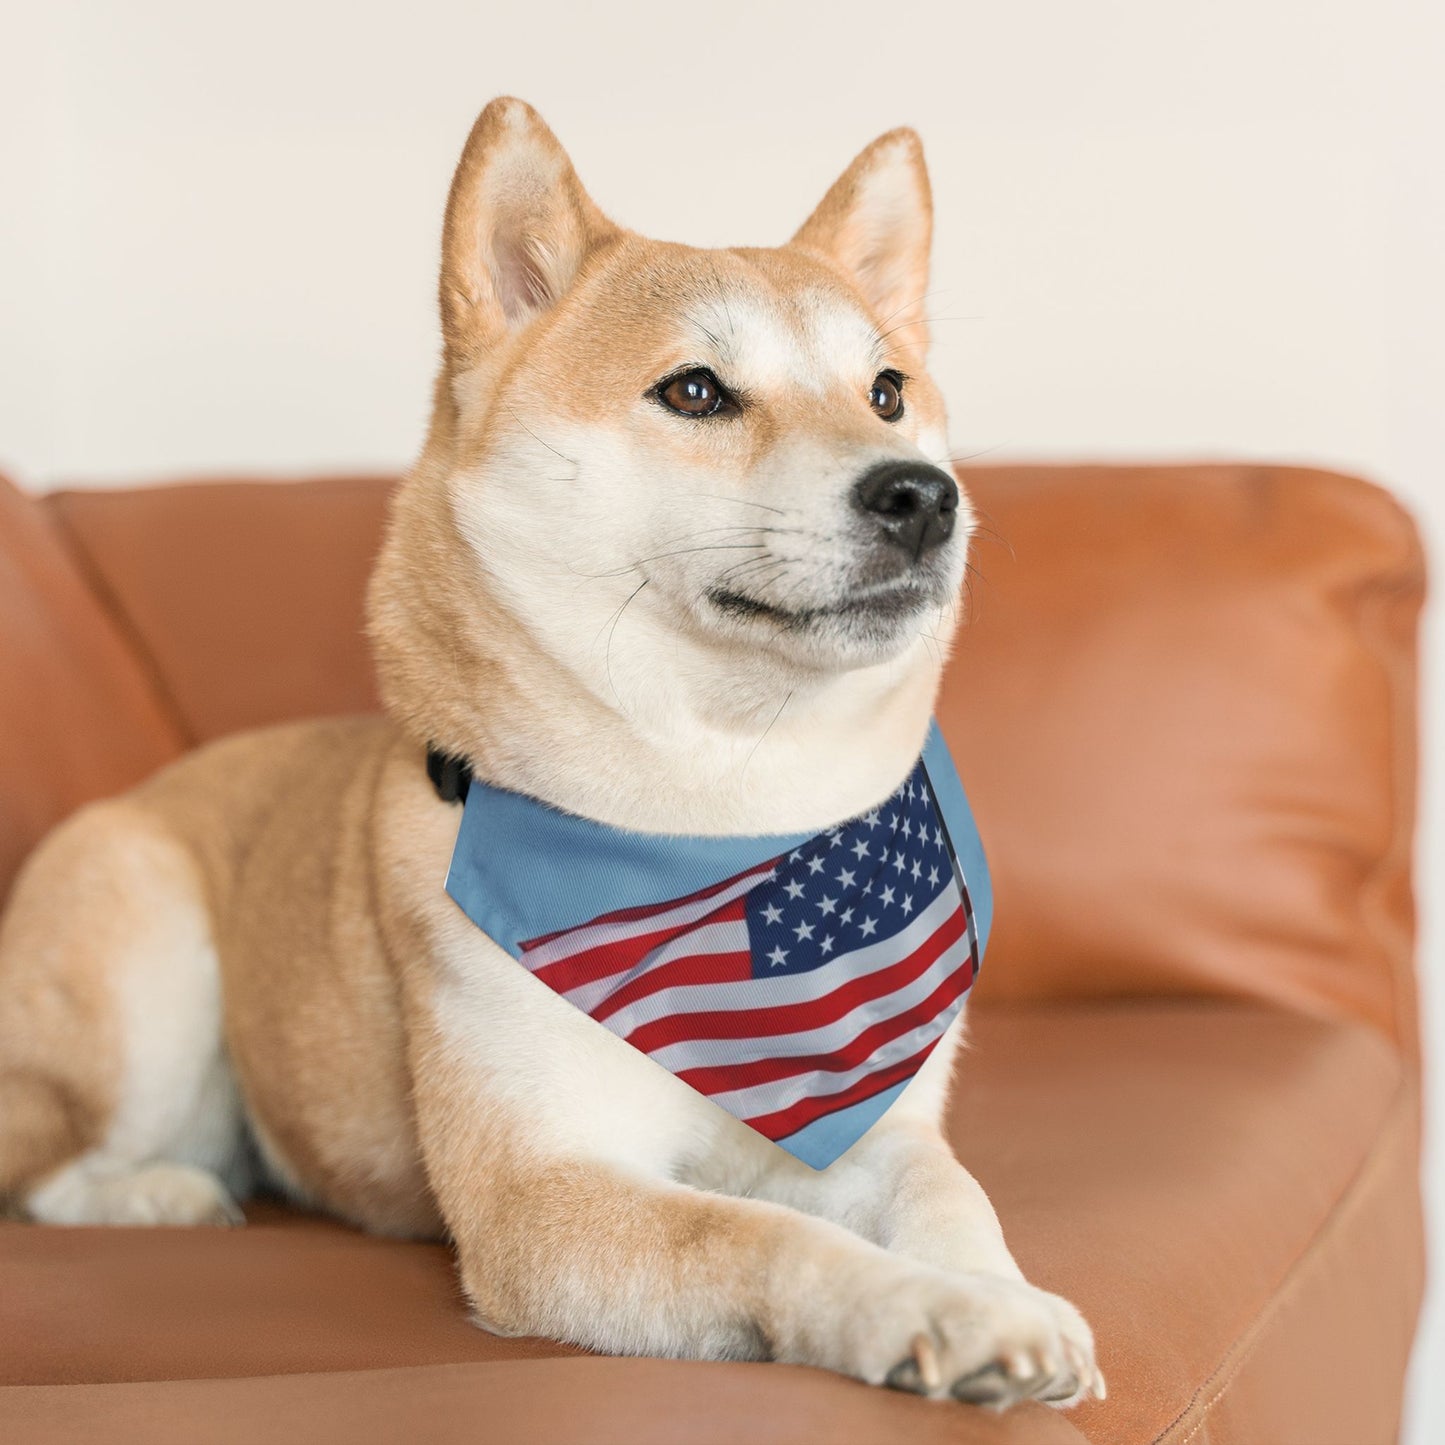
x,y
248,965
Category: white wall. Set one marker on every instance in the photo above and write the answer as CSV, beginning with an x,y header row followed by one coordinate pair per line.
x,y
1164,228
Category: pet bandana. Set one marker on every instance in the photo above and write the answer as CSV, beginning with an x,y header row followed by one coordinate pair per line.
x,y
798,981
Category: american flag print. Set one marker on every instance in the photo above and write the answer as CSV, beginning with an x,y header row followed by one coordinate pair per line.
x,y
800,994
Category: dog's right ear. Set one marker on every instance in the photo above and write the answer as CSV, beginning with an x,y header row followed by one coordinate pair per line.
x,y
518,228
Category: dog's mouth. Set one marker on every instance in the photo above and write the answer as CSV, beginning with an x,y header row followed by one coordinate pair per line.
x,y
877,605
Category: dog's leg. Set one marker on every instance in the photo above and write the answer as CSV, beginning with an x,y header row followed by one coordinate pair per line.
x,y
116,1104
587,1252
900,1187
550,1148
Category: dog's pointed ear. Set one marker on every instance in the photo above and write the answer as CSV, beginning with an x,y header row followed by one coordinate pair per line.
x,y
518,228
877,223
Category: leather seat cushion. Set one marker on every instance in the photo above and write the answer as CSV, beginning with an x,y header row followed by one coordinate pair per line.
x,y
1188,1174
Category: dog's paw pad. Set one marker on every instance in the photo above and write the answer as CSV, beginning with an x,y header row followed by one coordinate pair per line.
x,y
920,1373
991,1385
904,1376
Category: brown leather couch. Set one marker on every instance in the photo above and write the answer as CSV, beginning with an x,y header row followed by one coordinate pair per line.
x,y
1184,708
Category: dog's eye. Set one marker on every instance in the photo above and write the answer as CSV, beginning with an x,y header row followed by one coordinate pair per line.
x,y
886,397
694,393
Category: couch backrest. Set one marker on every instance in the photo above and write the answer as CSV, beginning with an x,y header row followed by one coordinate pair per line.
x,y
1183,705
1185,712
246,596
79,717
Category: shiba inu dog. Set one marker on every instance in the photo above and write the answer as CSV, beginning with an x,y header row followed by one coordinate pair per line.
x,y
676,557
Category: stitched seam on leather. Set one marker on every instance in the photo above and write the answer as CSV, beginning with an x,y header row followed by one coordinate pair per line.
x,y
124,623
1241,1351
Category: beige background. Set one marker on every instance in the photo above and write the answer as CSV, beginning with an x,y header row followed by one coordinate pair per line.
x,y
1164,229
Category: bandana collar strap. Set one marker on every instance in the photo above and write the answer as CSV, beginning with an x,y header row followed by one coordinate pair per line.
x,y
797,980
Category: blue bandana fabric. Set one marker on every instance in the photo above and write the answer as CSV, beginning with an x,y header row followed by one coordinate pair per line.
x,y
798,981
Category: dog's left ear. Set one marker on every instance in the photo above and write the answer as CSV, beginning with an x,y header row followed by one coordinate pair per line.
x,y
877,223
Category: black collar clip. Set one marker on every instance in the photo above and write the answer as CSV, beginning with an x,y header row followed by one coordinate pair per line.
x,y
451,776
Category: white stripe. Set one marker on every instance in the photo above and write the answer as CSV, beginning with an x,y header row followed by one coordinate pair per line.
x,y
730,936
595,935
781,1093
784,989
708,1053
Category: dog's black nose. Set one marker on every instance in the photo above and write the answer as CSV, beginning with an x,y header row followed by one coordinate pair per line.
x,y
915,504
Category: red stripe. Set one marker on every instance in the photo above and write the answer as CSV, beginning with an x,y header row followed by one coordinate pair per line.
x,y
687,971
575,969
795,1017
787,1121
647,910
624,954
721,1078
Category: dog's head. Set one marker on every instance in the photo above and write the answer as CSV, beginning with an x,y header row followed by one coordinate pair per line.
x,y
735,452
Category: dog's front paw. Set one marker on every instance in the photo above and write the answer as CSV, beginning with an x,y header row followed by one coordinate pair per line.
x,y
1078,1344
981,1338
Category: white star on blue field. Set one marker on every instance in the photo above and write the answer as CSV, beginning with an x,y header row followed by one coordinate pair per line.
x,y
856,884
